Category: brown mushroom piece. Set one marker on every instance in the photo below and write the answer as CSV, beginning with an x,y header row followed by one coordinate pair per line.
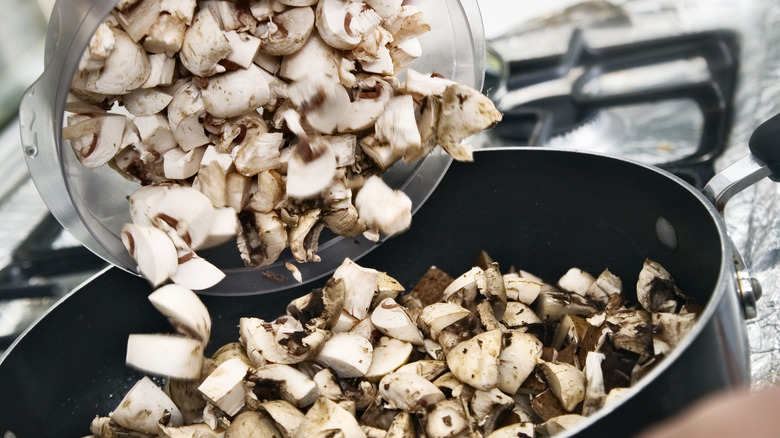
x,y
283,381
261,238
464,112
655,288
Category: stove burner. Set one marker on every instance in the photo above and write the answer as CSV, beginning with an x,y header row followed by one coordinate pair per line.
x,y
586,76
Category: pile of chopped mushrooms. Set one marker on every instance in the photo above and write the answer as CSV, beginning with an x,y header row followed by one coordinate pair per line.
x,y
263,121
486,354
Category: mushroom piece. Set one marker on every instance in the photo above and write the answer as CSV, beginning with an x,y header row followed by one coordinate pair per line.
x,y
152,250
304,235
401,427
552,304
632,330
243,49
389,354
146,101
562,423
138,19
483,404
397,126
125,69
197,273
201,430
165,355
311,168
184,310
285,33
236,92
283,340
359,286
669,329
475,361
426,368
385,8
517,360
371,97
567,383
655,288
321,308
285,415
606,285
348,354
435,317
100,46
594,387
261,238
286,382
322,102
144,407
259,153
409,392
95,139
343,23
204,46
252,423
225,386
184,210
315,58
382,208
446,418
166,36
576,280
392,320
327,418
464,112
156,137
519,316
514,430
180,164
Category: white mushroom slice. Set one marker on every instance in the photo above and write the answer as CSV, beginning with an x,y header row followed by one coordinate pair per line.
x,y
521,289
204,46
345,323
436,316
187,101
252,423
322,102
343,148
562,423
146,101
197,273
615,394
291,384
315,58
266,195
519,315
401,427
304,235
421,85
514,430
258,153
285,33
143,408
633,330
517,360
605,286
100,46
382,208
433,349
183,9
165,355
409,22
409,392
364,328
655,289
285,415
237,92
669,330
223,227
152,249
156,136
385,8
483,403
180,164
227,14
261,238
389,355
225,386
126,68
137,21
464,287
269,63
404,54
328,385
594,387
311,168
372,96
222,159
184,310
567,383
373,53
397,126
552,304
166,36
190,431
576,280
95,139
464,112
348,354
342,23
380,153
475,361
186,210
243,48
425,368
141,202
327,418
391,319
446,419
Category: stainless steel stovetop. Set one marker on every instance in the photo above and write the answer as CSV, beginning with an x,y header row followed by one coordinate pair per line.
x,y
542,76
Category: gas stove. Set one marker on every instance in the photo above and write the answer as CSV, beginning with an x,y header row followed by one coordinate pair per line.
x,y
677,84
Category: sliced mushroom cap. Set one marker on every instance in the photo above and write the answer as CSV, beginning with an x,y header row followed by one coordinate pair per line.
x,y
342,23
243,49
179,164
655,288
322,101
360,287
669,329
385,8
95,139
446,418
475,361
391,319
285,415
327,418
165,355
464,112
100,46
144,406
567,383
204,45
126,68
397,126
437,316
576,280
146,101
286,32
315,58
517,360
286,382
382,208
252,423
348,354
304,235
261,238
152,249
197,273
311,168
166,35
258,153
521,289
409,392
371,98
282,341
320,308
225,386
184,309
236,92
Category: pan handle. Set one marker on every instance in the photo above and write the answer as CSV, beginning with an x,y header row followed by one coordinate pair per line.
x,y
763,161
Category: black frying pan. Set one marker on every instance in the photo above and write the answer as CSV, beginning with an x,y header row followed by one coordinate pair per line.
x,y
537,209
